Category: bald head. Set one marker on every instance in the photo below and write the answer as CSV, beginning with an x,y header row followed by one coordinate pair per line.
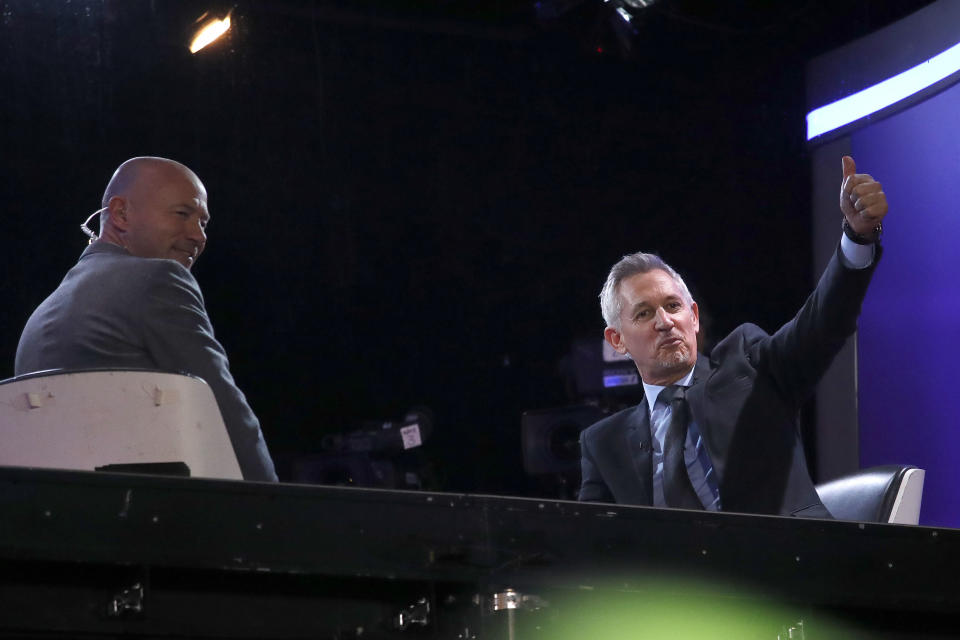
x,y
156,208
141,172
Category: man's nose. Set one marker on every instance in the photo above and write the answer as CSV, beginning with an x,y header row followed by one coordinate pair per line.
x,y
664,320
198,234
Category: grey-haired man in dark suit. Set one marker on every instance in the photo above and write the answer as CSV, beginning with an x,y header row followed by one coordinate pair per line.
x,y
131,301
735,445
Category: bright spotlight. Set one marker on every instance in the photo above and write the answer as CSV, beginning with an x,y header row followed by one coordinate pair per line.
x,y
210,31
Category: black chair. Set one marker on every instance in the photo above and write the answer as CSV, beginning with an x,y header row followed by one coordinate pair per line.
x,y
890,493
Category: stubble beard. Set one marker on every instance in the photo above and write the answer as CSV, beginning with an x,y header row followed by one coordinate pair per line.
x,y
676,361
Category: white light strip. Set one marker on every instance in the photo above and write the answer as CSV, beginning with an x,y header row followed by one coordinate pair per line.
x,y
883,94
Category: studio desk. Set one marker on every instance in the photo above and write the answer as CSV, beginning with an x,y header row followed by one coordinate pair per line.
x,y
108,555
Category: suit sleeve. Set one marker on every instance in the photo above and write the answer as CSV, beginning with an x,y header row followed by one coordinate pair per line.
x,y
592,486
179,336
799,353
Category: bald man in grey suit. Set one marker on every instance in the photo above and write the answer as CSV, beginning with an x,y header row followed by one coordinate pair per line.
x,y
131,301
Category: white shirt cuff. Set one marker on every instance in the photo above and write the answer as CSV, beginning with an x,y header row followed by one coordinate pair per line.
x,y
855,256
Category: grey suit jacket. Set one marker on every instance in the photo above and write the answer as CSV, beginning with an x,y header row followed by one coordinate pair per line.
x,y
116,310
744,399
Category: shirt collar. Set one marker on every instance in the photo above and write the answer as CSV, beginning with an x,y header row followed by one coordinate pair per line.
x,y
653,390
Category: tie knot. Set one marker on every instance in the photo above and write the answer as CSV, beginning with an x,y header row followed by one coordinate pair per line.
x,y
673,392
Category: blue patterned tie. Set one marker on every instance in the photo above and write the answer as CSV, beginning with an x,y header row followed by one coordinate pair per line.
x,y
677,490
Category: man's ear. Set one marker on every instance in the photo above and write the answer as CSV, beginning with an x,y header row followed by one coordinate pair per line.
x,y
117,212
695,310
615,338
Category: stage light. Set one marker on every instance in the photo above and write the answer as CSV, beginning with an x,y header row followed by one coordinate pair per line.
x,y
883,94
630,5
209,32
624,18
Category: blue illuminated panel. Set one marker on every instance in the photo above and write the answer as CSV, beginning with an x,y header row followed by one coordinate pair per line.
x,y
909,336
619,379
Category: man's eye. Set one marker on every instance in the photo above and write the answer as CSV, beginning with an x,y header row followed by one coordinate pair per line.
x,y
675,306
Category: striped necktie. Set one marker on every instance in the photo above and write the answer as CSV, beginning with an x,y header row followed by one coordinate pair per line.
x,y
677,490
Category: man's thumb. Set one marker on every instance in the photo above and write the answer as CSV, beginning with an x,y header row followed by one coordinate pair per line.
x,y
849,166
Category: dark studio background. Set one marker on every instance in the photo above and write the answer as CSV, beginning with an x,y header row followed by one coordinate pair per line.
x,y
415,203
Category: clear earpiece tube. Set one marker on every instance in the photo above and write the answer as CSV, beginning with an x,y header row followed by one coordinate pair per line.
x,y
87,230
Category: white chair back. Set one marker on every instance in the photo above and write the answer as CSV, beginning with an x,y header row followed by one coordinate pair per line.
x,y
88,419
906,506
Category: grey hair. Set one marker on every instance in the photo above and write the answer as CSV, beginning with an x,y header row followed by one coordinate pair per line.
x,y
611,304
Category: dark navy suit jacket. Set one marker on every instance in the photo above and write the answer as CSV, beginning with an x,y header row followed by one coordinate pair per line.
x,y
744,398
116,310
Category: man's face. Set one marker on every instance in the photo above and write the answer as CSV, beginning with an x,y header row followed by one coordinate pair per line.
x,y
166,215
658,328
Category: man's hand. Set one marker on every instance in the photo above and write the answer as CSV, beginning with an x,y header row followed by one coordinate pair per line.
x,y
862,200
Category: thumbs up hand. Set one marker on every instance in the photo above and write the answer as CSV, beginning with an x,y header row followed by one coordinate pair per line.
x,y
862,200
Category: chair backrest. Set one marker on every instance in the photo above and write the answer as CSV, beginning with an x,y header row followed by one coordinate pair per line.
x,y
906,506
890,493
87,419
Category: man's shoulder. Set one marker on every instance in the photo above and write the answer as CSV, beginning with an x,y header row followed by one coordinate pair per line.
x,y
740,339
134,269
169,270
103,252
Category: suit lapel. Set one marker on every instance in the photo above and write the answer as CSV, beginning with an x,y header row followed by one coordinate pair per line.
x,y
638,443
698,385
701,370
